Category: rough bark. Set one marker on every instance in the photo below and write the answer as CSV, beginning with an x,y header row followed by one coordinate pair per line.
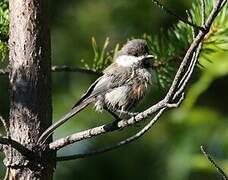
x,y
30,86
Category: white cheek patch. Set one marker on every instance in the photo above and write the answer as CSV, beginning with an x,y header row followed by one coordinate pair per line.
x,y
127,61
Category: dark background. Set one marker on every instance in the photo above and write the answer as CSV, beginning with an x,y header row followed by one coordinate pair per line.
x,y
171,150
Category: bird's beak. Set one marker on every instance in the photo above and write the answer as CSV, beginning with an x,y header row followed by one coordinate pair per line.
x,y
149,56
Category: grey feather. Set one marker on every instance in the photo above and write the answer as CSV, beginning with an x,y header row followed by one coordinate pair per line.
x,y
113,77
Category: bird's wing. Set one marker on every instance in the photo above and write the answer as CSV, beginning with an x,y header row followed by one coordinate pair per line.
x,y
88,92
112,78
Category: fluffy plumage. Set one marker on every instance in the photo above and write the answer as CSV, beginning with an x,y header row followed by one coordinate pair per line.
x,y
122,85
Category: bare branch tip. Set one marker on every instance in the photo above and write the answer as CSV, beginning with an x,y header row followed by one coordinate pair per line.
x,y
212,161
162,7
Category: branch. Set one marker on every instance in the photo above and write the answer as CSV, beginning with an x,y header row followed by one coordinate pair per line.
x,y
19,147
199,38
203,11
216,166
115,146
223,4
65,68
62,142
121,143
188,75
156,2
62,68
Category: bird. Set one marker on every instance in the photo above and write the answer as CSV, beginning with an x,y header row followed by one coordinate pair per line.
x,y
123,84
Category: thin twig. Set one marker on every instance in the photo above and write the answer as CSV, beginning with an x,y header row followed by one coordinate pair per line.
x,y
63,68
216,166
191,64
156,2
191,20
223,4
216,9
117,145
203,12
189,72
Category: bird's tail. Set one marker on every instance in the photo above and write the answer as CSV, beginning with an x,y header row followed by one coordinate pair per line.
x,y
66,117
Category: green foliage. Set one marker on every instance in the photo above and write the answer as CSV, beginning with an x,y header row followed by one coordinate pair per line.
x,y
4,28
213,56
102,57
170,46
168,49
217,38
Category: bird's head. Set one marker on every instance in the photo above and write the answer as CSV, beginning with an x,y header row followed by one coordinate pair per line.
x,y
135,52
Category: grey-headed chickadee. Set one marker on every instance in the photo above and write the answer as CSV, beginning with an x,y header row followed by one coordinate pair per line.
x,y
121,86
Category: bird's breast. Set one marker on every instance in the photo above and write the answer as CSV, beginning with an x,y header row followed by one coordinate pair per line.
x,y
131,92
132,87
138,91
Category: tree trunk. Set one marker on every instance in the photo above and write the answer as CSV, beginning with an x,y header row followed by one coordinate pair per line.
x,y
30,85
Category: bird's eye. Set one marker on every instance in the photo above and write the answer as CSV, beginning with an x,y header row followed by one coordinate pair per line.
x,y
146,63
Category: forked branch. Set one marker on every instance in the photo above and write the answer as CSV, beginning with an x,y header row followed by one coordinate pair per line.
x,y
117,145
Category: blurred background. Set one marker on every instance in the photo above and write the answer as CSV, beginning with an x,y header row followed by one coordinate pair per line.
x,y
171,149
